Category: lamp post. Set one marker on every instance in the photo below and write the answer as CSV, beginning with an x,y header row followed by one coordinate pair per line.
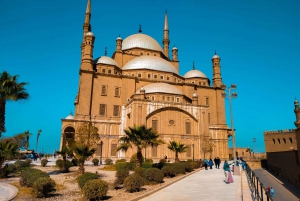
x,y
101,144
254,140
231,95
193,152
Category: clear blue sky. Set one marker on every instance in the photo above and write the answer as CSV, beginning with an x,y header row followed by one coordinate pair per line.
x,y
258,42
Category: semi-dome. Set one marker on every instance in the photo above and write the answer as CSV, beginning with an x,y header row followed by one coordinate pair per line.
x,y
107,60
70,116
160,88
151,63
142,41
194,73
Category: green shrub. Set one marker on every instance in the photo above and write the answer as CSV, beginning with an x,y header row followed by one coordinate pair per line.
x,y
27,162
43,186
19,164
195,165
164,161
149,160
154,175
86,177
147,165
133,183
187,166
158,165
120,177
44,162
133,158
120,166
28,176
74,162
179,168
121,160
95,189
130,166
168,171
95,161
189,160
108,161
139,171
63,166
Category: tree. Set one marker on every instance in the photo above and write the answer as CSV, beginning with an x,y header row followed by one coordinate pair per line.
x,y
10,90
37,139
249,150
207,144
87,134
140,137
19,139
65,151
82,153
7,150
177,147
27,135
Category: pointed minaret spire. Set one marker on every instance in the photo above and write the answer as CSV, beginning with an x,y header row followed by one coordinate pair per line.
x,y
105,52
140,29
87,25
215,52
193,65
166,40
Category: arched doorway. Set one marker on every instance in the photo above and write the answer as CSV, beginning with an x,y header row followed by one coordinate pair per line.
x,y
69,135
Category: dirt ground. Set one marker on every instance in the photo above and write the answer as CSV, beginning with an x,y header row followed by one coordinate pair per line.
x,y
67,188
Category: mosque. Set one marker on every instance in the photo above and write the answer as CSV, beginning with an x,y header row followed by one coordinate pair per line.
x,y
140,84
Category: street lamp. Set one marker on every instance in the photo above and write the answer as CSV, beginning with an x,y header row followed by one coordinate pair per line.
x,y
254,140
193,152
101,144
231,95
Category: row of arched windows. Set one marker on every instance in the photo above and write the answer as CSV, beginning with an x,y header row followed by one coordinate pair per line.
x,y
283,140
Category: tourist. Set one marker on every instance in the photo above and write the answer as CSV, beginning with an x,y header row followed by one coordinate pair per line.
x,y
243,164
230,178
211,163
226,168
216,162
272,192
205,163
200,162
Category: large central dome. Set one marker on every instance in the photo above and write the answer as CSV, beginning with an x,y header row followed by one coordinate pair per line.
x,y
151,63
142,41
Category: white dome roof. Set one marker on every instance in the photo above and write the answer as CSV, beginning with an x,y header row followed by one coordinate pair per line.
x,y
194,73
150,62
142,41
89,34
215,56
70,116
107,60
160,88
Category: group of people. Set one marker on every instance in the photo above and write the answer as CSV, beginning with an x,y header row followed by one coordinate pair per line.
x,y
210,163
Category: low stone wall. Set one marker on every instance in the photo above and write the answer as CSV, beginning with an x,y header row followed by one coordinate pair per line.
x,y
254,164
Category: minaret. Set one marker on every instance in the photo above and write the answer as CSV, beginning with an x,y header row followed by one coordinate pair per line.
x,y
87,59
119,44
297,112
87,25
175,54
217,79
166,40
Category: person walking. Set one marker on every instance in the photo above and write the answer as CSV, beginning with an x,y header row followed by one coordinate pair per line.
x,y
211,163
230,178
216,162
200,162
226,169
272,192
205,163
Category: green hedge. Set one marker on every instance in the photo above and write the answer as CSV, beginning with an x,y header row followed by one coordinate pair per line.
x,y
86,177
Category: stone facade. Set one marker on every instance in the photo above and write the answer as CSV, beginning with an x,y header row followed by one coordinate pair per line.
x,y
140,84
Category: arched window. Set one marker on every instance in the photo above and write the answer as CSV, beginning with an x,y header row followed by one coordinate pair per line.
x,y
117,91
207,101
278,140
291,140
139,75
109,71
149,75
273,141
284,140
188,127
69,135
103,70
154,124
188,151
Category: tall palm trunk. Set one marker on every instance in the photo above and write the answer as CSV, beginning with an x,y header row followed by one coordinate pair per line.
x,y
81,168
2,116
176,158
139,157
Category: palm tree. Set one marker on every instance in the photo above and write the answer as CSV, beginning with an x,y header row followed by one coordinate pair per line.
x,y
249,150
10,90
82,153
37,140
177,147
27,135
7,149
140,137
65,151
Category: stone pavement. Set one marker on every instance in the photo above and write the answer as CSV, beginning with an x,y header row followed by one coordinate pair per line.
x,y
7,191
205,185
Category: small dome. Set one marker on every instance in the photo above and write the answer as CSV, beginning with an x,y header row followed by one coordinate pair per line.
x,y
174,48
194,73
89,34
70,116
107,60
160,88
195,95
119,38
296,102
150,62
142,41
216,57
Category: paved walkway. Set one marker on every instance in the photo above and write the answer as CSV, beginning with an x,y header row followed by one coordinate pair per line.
x,y
7,191
205,185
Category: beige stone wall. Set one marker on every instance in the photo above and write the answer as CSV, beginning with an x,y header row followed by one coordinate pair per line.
x,y
276,141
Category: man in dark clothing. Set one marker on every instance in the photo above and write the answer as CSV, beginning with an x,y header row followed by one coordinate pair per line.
x,y
216,161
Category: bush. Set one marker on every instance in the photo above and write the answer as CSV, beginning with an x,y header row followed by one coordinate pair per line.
x,y
120,166
133,183
63,165
86,177
95,161
139,171
179,168
195,165
95,189
27,162
121,160
44,162
29,176
189,160
154,175
74,162
19,164
146,165
108,161
43,186
168,171
158,165
187,166
149,160
133,158
120,177
164,161
130,166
